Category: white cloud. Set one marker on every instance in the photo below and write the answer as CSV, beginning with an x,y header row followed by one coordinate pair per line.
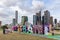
x,y
37,4
8,7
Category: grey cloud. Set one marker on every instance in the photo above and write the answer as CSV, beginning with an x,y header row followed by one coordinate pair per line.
x,y
9,3
3,15
6,12
24,5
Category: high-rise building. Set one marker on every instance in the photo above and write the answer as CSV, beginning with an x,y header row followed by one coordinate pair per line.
x,y
24,19
42,20
51,20
34,20
16,17
55,21
38,18
14,22
46,17
58,25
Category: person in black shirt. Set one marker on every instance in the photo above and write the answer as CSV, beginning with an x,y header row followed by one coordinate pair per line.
x,y
4,27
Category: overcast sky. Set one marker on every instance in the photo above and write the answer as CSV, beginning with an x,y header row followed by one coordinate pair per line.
x,y
28,8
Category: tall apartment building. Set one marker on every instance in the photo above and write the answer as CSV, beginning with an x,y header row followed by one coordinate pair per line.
x,y
16,17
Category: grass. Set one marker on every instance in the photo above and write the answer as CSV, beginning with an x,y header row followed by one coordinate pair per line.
x,y
0,29
19,36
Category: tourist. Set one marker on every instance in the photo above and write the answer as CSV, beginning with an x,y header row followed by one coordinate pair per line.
x,y
4,27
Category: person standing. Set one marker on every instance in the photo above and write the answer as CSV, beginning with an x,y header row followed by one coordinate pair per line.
x,y
18,28
4,27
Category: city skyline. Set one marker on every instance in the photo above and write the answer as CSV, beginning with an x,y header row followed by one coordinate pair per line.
x,y
27,8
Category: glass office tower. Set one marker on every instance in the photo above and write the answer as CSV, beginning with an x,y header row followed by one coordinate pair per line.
x,y
24,19
34,20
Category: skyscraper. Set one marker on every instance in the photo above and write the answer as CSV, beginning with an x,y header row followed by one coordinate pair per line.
x,y
24,19
38,18
55,21
51,20
14,22
42,20
46,17
34,20
16,17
